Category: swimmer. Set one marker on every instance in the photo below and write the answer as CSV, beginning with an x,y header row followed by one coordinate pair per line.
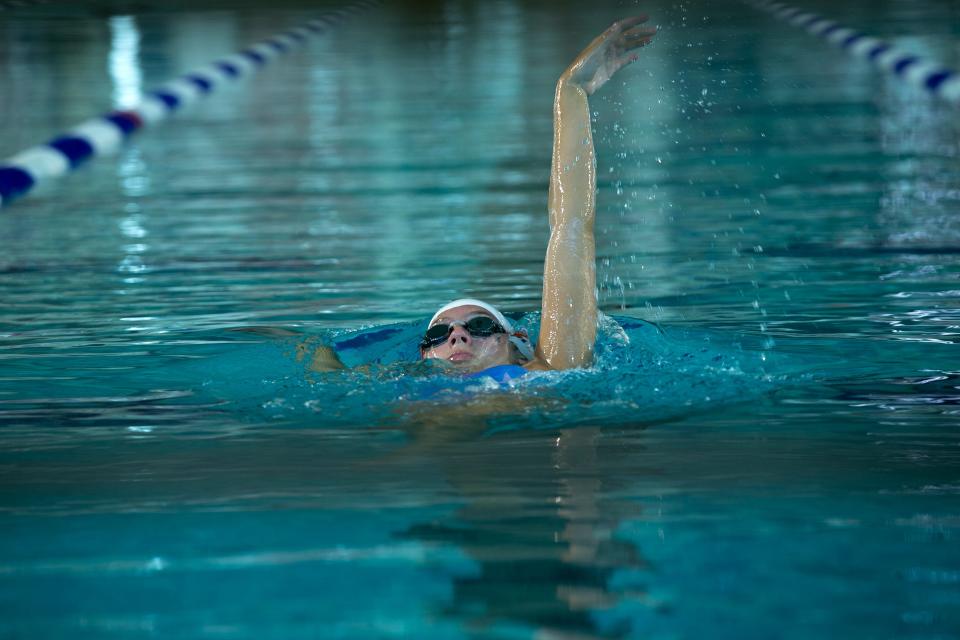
x,y
472,336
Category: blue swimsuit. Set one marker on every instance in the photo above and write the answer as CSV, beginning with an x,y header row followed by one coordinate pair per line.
x,y
502,373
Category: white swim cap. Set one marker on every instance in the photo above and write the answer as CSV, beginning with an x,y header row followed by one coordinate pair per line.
x,y
472,302
518,338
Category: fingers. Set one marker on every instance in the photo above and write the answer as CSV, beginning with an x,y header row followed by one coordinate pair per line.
x,y
640,32
623,33
630,41
628,23
610,51
636,38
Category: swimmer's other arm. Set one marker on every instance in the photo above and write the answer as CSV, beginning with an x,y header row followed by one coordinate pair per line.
x,y
568,325
325,359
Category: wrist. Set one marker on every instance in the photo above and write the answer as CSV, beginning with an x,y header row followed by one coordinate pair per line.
x,y
574,75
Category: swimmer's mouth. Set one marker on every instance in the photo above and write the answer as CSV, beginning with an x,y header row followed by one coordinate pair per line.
x,y
461,356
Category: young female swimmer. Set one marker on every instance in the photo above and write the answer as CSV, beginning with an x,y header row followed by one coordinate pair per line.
x,y
472,335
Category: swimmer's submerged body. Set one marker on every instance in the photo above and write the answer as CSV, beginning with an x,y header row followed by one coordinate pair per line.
x,y
472,336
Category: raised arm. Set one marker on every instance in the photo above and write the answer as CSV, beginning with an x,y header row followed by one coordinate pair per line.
x,y
568,326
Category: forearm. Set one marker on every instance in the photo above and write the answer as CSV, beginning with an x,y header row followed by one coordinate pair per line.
x,y
573,167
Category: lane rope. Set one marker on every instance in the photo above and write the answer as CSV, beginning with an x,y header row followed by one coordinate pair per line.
x,y
105,134
916,70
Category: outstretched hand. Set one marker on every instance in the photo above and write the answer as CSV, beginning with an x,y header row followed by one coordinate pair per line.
x,y
609,52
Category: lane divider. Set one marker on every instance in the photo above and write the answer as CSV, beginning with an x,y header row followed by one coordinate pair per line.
x,y
918,71
105,134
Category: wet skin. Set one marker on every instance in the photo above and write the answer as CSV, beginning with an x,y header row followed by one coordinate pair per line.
x,y
467,352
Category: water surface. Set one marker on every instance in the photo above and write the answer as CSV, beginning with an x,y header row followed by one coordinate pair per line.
x,y
762,199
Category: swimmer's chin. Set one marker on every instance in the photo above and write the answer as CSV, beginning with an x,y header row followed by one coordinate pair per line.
x,y
465,363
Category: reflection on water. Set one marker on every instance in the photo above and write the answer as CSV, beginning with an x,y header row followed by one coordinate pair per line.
x,y
601,532
765,199
539,526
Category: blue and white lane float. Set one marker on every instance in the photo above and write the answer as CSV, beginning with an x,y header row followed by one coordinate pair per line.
x,y
104,135
918,71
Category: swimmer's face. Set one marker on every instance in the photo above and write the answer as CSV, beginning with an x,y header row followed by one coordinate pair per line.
x,y
465,351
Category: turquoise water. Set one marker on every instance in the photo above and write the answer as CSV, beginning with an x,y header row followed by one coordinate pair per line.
x,y
768,444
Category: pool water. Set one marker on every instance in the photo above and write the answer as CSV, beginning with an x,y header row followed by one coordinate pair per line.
x,y
767,445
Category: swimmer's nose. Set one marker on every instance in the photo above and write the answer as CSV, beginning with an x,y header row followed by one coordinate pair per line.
x,y
459,334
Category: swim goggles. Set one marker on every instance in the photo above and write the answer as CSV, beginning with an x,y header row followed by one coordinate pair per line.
x,y
477,326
